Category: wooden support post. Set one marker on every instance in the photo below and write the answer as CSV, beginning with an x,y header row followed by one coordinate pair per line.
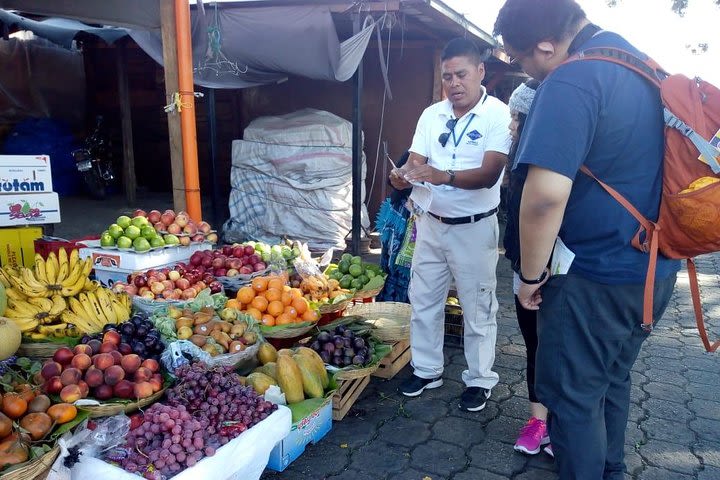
x,y
167,16
437,93
126,121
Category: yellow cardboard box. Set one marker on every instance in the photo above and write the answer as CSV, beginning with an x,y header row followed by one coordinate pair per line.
x,y
17,245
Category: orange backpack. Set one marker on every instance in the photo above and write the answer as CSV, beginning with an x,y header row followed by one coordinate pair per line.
x,y
689,220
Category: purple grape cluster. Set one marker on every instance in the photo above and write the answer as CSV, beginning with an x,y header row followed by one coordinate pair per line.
x,y
205,410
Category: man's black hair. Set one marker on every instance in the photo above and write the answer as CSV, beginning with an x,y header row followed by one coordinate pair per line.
x,y
464,47
522,24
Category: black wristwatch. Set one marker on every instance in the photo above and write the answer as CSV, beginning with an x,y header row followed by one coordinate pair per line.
x,y
452,176
540,279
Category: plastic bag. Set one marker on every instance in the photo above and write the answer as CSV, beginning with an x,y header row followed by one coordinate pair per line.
x,y
107,433
182,352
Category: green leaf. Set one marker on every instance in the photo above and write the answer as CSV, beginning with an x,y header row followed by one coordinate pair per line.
x,y
276,328
7,379
23,362
35,368
65,427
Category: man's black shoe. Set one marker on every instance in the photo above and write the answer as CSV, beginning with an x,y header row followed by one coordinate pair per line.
x,y
473,399
415,385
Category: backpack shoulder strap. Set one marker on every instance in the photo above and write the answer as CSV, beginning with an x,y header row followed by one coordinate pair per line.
x,y
695,292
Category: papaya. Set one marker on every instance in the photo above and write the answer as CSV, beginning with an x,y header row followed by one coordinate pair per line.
x,y
289,379
317,362
311,383
267,353
14,449
37,425
260,382
269,369
285,351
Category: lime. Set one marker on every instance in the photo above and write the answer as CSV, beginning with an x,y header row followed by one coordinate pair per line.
x,y
124,242
344,266
107,240
157,241
132,232
356,261
123,221
355,270
346,281
139,222
115,230
140,244
148,232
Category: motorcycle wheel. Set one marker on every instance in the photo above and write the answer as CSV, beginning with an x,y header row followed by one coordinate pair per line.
x,y
94,184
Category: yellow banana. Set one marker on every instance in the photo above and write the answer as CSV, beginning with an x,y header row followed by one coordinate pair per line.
x,y
59,305
26,290
4,278
38,336
91,285
122,313
73,276
62,258
125,300
26,324
74,258
28,277
52,329
92,315
87,266
62,273
76,307
51,267
44,304
100,313
24,308
14,294
79,321
40,271
74,289
106,304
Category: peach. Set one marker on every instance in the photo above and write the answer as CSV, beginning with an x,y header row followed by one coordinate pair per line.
x,y
70,393
70,376
125,349
130,363
112,336
95,345
143,390
94,377
117,357
81,361
114,374
124,389
53,385
83,348
151,364
108,347
103,361
143,374
51,369
63,356
84,388
156,382
103,392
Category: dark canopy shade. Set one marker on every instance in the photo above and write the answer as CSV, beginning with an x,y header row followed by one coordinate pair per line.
x,y
119,13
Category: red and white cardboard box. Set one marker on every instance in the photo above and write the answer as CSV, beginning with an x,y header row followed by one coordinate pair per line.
x,y
29,209
25,174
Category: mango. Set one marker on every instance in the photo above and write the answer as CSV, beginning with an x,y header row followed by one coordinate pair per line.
x,y
260,382
289,378
311,383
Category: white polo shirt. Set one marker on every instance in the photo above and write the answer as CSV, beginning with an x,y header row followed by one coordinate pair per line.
x,y
483,128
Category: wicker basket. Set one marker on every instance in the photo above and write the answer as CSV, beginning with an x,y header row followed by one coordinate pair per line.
x,y
363,294
326,308
37,469
390,320
110,409
38,351
354,373
289,332
237,282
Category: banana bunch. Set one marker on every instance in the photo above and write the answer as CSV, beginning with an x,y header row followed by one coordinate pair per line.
x,y
33,312
90,311
59,274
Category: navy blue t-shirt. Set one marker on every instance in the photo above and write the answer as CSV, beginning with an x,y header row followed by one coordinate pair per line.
x,y
609,118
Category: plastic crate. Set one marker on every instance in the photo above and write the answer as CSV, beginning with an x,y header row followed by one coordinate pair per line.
x,y
45,245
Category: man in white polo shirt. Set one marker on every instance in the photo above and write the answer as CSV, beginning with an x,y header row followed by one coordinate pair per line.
x,y
458,152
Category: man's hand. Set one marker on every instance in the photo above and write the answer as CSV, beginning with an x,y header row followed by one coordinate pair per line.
x,y
397,179
529,295
426,173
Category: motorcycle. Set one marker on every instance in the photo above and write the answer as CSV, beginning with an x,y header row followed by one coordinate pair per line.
x,y
94,161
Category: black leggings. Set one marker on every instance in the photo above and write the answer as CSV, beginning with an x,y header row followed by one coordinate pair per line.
x,y
527,320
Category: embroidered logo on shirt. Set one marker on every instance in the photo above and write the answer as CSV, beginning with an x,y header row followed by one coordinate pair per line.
x,y
474,135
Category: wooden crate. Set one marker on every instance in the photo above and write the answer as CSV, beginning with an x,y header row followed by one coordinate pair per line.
x,y
346,396
394,361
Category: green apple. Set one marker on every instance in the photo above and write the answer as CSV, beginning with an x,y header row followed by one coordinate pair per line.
x,y
123,221
107,240
132,232
124,242
115,231
157,241
141,244
148,232
139,221
171,239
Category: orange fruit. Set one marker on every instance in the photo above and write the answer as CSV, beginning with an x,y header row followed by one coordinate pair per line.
x,y
268,320
286,288
286,298
259,284
311,315
260,303
255,313
290,310
275,308
233,303
284,319
300,305
273,294
276,282
296,292
245,295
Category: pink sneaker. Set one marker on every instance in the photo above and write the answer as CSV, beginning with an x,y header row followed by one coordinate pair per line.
x,y
532,437
548,449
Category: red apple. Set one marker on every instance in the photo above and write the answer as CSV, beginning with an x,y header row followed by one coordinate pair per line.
x,y
235,263
154,216
182,283
185,241
260,266
182,219
254,258
222,272
238,252
212,237
157,288
140,281
204,227
139,213
112,336
219,261
161,275
131,290
215,287
148,295
173,275
159,227
249,250
227,250
207,262
189,293
198,237
246,270
167,217
190,229
63,356
174,228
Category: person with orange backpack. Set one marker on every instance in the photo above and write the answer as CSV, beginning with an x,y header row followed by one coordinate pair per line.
x,y
607,118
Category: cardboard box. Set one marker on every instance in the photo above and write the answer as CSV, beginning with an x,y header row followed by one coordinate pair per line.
x,y
309,429
112,265
18,246
22,209
25,174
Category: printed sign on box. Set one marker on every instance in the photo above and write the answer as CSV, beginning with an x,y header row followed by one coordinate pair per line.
x,y
25,174
29,209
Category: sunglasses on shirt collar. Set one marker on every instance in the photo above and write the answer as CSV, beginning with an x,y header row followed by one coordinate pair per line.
x,y
444,137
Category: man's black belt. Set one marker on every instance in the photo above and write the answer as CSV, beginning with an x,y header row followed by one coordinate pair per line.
x,y
462,220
